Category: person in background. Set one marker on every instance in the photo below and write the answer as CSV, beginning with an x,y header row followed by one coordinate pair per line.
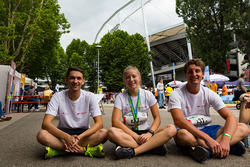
x,y
161,96
241,85
47,94
2,115
30,93
214,87
224,89
54,91
99,90
168,91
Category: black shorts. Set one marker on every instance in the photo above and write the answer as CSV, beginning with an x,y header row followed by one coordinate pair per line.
x,y
73,131
140,132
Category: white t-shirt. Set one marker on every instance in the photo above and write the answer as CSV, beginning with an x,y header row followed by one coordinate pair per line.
x,y
73,114
147,100
160,87
195,104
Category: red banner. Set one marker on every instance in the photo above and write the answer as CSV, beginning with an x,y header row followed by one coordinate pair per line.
x,y
228,65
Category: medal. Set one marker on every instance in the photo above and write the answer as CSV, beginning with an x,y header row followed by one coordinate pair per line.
x,y
136,124
135,111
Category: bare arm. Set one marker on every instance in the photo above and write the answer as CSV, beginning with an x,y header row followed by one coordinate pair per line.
x,y
116,116
156,115
182,123
231,122
156,123
51,128
229,128
243,88
97,126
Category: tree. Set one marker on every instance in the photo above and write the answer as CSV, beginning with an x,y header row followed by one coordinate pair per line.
x,y
76,53
240,22
209,27
118,51
25,26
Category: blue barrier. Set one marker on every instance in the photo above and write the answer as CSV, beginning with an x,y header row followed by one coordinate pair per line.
x,y
227,98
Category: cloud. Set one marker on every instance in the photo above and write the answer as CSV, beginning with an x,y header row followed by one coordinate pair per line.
x,y
87,16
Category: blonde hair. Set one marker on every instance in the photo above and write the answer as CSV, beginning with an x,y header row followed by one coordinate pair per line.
x,y
47,87
131,68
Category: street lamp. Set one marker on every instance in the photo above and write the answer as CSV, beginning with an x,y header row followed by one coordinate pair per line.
x,y
98,47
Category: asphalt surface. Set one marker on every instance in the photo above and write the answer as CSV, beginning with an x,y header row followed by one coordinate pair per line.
x,y
19,147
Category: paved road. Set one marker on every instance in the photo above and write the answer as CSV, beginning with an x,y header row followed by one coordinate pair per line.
x,y
20,148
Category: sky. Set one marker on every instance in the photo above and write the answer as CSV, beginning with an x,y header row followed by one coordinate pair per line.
x,y
88,16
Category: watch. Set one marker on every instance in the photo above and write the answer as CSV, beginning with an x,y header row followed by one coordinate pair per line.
x,y
151,131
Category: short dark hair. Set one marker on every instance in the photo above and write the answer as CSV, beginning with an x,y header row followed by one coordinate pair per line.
x,y
197,62
242,75
74,69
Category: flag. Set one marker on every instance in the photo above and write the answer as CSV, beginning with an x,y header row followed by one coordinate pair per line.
x,y
174,76
206,76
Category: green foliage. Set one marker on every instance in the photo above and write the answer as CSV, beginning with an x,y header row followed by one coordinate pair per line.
x,y
76,53
118,51
30,30
210,28
240,19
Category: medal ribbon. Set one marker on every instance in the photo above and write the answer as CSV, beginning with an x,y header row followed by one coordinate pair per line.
x,y
135,112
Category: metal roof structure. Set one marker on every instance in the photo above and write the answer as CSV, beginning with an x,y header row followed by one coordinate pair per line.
x,y
169,46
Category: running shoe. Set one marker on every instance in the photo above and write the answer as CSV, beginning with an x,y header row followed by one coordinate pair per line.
x,y
245,141
96,151
124,152
161,150
198,153
4,118
52,153
238,149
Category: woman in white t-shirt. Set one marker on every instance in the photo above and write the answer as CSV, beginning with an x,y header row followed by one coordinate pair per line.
x,y
133,134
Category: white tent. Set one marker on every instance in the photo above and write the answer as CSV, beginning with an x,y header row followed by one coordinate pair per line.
x,y
172,84
4,75
218,77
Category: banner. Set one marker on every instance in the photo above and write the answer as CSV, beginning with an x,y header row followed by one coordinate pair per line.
x,y
228,65
10,88
206,76
174,75
23,76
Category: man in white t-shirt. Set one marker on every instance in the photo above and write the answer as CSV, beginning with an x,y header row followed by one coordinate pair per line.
x,y
202,139
161,96
73,133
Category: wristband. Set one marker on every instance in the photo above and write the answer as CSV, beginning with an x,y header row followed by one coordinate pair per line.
x,y
225,134
151,131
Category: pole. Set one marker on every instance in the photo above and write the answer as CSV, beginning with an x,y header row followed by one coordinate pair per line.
x,y
190,56
147,40
98,70
98,83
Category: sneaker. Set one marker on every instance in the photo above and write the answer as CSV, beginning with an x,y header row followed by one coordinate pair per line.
x,y
161,150
4,118
36,110
96,151
238,149
198,153
52,153
245,141
124,152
